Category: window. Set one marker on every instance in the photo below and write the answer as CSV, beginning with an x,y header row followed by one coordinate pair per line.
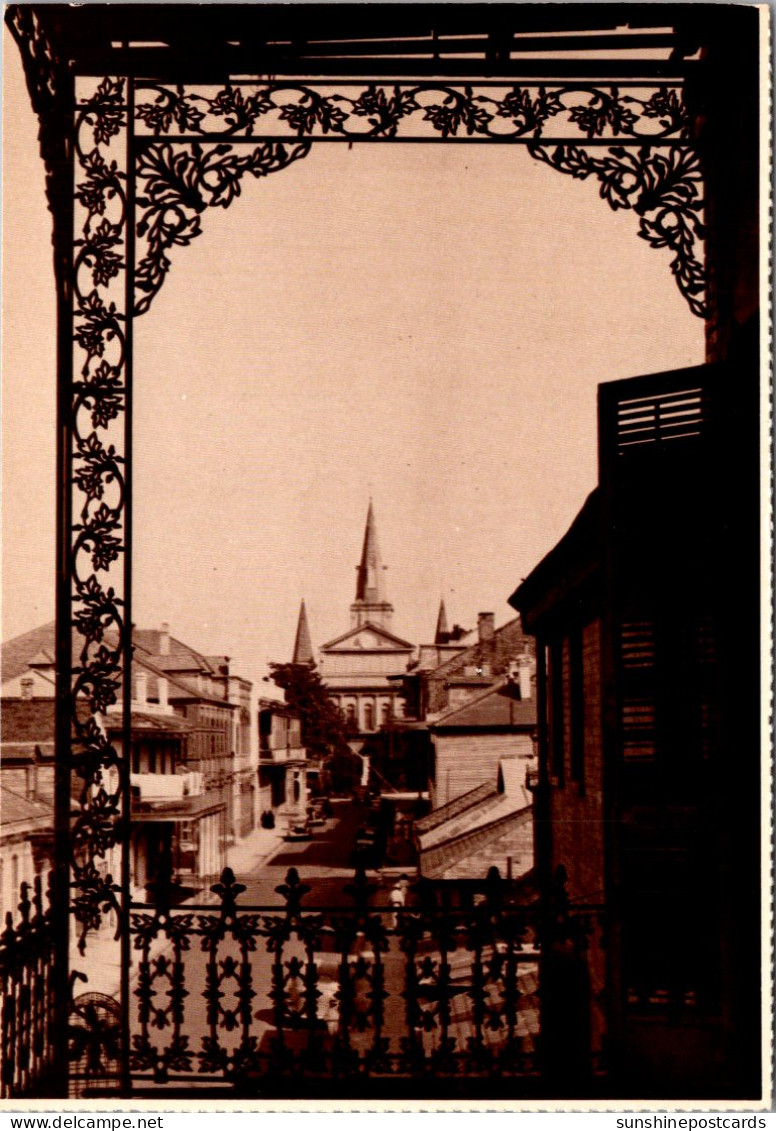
x,y
577,696
637,707
555,686
369,717
386,713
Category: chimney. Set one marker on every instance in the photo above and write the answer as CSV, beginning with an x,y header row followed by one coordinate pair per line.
x,y
164,639
486,626
161,684
141,689
525,674
28,686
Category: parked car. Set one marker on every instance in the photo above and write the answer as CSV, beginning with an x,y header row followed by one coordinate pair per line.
x,y
316,814
299,829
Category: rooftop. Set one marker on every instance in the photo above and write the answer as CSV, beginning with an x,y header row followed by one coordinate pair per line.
x,y
16,809
498,706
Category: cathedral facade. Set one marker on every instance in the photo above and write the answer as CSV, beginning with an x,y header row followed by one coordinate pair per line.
x,y
357,666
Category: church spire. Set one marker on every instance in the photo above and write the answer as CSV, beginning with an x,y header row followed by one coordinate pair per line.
x,y
370,586
371,603
303,648
442,634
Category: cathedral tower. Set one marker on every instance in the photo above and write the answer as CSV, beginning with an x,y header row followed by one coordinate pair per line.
x,y
360,668
370,604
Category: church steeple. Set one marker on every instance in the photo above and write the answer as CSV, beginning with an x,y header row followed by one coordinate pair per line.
x,y
442,634
303,648
370,586
371,603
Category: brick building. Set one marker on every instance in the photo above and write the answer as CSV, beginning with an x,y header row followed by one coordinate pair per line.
x,y
460,664
648,788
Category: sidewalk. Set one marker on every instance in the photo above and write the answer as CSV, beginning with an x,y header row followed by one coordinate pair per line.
x,y
254,850
103,953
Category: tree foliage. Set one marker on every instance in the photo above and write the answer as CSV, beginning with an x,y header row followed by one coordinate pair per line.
x,y
324,730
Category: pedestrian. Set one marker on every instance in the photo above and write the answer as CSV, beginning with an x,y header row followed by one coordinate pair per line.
x,y
397,897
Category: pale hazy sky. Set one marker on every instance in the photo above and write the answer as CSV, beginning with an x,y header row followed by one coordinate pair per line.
x,y
426,324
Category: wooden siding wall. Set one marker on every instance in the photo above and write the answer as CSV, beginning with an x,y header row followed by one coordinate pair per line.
x,y
465,761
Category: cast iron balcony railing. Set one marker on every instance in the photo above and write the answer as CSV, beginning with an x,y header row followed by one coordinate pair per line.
x,y
26,1013
293,999
269,1000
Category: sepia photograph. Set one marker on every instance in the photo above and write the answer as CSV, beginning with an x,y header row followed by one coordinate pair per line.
x,y
385,555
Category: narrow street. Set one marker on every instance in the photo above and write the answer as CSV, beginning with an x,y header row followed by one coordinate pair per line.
x,y
325,863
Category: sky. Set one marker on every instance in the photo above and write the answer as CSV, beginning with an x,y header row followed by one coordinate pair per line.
x,y
422,324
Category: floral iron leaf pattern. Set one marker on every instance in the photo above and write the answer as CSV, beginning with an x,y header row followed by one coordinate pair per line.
x,y
664,188
406,110
193,146
175,185
98,501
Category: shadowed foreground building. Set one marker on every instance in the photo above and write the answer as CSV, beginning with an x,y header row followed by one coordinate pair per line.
x,y
649,774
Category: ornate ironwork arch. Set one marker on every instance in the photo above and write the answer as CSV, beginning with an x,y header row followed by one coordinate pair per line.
x,y
133,165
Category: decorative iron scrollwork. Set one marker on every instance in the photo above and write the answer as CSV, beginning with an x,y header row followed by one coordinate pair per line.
x,y
664,187
397,111
649,166
176,185
249,995
140,189
98,486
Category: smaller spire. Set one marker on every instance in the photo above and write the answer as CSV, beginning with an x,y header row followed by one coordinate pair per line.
x,y
442,634
303,648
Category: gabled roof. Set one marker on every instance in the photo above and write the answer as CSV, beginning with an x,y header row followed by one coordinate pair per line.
x,y
141,720
456,662
38,645
496,707
17,653
178,657
481,807
368,626
15,809
453,808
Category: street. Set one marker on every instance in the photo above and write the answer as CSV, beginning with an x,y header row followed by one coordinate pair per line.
x,y
325,863
230,985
